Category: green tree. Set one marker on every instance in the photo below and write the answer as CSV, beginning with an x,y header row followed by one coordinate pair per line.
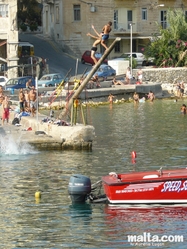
x,y
29,10
170,47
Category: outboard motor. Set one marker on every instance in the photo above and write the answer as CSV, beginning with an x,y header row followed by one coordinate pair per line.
x,y
79,187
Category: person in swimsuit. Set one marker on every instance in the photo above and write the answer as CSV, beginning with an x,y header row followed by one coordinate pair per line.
x,y
29,84
128,76
27,102
151,96
140,74
33,100
182,87
117,82
21,100
96,42
5,107
1,95
136,98
110,98
106,30
183,109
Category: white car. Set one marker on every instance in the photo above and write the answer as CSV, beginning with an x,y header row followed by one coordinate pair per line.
x,y
139,57
3,80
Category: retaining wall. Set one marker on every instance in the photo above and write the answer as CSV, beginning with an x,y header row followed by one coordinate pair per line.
x,y
163,75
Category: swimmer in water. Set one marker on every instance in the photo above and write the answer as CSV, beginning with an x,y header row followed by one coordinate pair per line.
x,y
183,109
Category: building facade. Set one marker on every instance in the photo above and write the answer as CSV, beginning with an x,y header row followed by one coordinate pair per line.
x,y
8,38
136,22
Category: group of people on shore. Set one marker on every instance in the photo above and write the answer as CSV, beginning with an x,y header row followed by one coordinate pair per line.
x,y
27,101
139,77
128,78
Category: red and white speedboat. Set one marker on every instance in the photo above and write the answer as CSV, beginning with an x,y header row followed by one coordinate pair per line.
x,y
150,187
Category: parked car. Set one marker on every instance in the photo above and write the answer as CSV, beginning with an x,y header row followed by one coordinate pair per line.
x,y
49,80
139,57
104,71
86,58
17,83
3,80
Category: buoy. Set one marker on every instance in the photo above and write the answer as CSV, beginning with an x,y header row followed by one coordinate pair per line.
x,y
133,154
38,194
133,161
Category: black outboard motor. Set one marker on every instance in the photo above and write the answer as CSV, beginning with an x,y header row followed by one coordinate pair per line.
x,y
79,187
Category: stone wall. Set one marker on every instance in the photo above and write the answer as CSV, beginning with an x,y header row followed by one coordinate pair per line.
x,y
163,75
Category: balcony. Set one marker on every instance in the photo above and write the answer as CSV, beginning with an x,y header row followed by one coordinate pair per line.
x,y
139,29
124,29
49,1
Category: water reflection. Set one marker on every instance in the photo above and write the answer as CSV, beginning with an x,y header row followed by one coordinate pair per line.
x,y
80,212
156,220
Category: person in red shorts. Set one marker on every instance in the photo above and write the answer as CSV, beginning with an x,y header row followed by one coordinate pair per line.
x,y
5,107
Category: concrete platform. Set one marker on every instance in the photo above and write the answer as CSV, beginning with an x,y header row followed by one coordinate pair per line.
x,y
49,136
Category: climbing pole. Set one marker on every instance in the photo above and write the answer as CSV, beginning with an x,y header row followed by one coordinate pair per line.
x,y
86,80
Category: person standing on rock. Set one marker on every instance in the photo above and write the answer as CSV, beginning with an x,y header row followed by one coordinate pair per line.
x,y
29,84
27,102
21,100
1,98
33,100
5,107
140,75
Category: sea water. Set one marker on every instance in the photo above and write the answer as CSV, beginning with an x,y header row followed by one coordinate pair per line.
x,y
156,131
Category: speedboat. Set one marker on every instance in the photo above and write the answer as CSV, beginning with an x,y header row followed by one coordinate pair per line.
x,y
147,187
150,187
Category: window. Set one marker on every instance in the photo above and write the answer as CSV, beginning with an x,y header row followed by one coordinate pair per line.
x,y
115,19
117,47
77,12
163,19
144,13
129,17
57,14
3,10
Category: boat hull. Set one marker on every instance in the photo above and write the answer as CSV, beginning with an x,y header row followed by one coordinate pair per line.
x,y
167,187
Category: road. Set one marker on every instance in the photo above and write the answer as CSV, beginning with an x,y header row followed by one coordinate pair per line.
x,y
59,62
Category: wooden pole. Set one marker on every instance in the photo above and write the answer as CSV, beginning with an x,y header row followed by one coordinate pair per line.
x,y
88,77
82,113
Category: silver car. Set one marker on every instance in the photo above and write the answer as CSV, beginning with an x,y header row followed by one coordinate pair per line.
x,y
139,57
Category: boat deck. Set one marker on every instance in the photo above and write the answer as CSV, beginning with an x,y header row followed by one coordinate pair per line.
x,y
148,176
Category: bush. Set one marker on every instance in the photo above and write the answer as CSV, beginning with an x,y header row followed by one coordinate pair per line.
x,y
33,26
134,63
23,27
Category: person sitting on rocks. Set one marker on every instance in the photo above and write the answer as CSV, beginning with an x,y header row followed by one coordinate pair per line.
x,y
94,82
117,82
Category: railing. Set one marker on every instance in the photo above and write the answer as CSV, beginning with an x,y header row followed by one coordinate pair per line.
x,y
139,28
124,28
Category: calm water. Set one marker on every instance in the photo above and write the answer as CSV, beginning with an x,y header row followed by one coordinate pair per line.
x,y
156,131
